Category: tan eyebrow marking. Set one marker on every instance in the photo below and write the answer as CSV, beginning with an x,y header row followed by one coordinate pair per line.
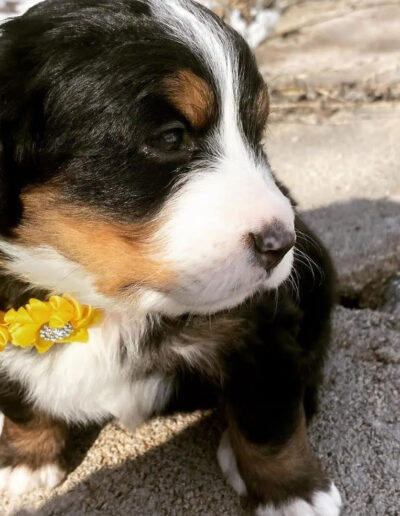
x,y
191,95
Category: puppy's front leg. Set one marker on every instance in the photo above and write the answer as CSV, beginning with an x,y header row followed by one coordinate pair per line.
x,y
264,453
31,453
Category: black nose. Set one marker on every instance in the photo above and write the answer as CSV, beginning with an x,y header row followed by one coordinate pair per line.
x,y
271,244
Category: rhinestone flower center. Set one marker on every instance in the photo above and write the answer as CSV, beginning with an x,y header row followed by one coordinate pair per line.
x,y
54,334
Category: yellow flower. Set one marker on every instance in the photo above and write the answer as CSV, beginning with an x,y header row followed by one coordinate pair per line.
x,y
24,324
4,333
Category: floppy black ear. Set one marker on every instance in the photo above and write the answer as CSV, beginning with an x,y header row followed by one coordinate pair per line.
x,y
18,120
10,204
4,194
9,200
3,184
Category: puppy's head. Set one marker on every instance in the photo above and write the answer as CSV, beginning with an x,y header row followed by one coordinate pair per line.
x,y
132,169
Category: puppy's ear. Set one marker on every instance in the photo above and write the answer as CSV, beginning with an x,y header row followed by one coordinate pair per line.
x,y
19,103
10,204
3,190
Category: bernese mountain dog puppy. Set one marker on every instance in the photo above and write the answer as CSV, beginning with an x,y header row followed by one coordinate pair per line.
x,y
133,177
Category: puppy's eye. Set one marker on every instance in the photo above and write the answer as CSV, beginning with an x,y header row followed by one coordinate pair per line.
x,y
171,140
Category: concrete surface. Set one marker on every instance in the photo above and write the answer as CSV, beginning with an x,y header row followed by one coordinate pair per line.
x,y
390,301
335,49
347,155
357,432
344,170
340,154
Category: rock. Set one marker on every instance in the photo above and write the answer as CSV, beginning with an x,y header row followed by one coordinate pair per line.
x,y
253,19
364,239
357,432
334,50
344,171
391,296
335,158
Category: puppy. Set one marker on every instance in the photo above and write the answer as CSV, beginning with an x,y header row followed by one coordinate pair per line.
x,y
133,177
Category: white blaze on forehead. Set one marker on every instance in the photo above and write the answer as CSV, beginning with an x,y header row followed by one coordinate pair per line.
x,y
186,22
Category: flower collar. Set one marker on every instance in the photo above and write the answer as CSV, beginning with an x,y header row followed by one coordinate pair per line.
x,y
41,324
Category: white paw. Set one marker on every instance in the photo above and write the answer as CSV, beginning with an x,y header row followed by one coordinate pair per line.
x,y
22,479
227,463
323,503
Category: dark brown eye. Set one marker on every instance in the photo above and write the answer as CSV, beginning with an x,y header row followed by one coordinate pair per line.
x,y
170,140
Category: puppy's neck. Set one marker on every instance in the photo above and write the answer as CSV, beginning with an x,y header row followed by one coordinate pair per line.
x,y
40,272
45,270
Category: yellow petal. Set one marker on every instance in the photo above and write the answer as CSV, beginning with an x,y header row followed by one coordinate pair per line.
x,y
43,345
9,316
4,337
97,316
86,317
81,335
36,304
38,311
20,316
55,302
92,317
24,335
58,304
59,319
77,307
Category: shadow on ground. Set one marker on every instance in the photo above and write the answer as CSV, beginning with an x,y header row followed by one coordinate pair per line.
x,y
180,476
363,236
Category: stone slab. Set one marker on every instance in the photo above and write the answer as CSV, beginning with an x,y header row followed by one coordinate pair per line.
x,y
358,428
344,171
334,49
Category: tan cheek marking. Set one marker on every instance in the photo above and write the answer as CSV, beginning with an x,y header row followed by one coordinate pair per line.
x,y
191,95
119,255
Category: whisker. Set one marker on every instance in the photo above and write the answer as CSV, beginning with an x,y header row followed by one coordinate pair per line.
x,y
307,266
310,261
294,284
303,258
276,296
307,238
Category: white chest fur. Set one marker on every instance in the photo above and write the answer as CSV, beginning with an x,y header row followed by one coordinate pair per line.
x,y
90,382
